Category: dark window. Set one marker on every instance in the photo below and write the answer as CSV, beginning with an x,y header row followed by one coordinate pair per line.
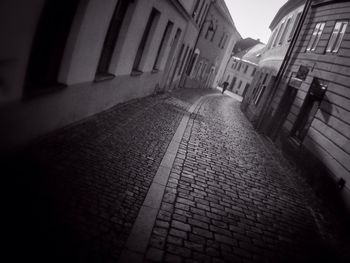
x,y
233,83
163,45
200,12
186,66
146,34
112,37
183,62
204,14
195,11
245,89
254,71
49,43
246,69
193,60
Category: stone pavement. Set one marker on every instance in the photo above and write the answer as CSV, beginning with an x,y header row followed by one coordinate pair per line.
x,y
76,194
229,200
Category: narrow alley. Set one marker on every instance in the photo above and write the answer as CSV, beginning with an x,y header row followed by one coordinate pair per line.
x,y
226,199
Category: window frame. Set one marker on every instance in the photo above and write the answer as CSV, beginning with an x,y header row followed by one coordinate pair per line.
x,y
315,36
333,46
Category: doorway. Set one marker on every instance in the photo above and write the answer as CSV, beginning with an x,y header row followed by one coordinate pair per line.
x,y
49,44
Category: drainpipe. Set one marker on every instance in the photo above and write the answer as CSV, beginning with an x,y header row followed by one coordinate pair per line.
x,y
283,67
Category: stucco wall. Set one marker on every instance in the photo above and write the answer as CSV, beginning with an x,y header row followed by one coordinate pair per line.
x,y
25,119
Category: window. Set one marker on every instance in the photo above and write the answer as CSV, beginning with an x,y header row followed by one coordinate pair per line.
x,y
246,69
182,64
259,94
111,38
278,35
224,42
233,83
285,31
203,14
192,63
239,66
254,71
245,89
200,12
213,34
315,37
210,28
163,45
260,91
152,21
297,19
222,38
195,11
186,66
239,85
337,37
271,38
204,70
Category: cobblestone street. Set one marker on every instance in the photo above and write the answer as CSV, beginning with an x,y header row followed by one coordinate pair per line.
x,y
227,199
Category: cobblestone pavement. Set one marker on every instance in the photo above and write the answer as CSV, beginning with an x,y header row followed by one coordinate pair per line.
x,y
73,197
229,200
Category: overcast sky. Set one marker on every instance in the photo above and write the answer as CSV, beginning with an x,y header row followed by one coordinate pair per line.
x,y
253,17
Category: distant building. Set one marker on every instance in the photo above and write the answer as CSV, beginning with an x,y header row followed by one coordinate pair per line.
x,y
242,67
282,27
216,40
63,61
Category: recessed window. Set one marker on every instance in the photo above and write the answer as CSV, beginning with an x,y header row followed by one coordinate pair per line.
x,y
294,26
152,21
253,72
337,37
246,69
163,45
285,31
315,37
278,35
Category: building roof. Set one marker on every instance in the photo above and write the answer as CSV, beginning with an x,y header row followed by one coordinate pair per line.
x,y
284,10
244,44
251,54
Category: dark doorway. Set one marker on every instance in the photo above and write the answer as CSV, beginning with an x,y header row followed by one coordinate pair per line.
x,y
49,43
281,113
308,111
111,38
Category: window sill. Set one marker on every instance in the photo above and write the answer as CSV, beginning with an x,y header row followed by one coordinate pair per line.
x,y
136,73
103,77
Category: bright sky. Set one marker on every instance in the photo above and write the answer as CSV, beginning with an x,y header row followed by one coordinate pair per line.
x,y
253,17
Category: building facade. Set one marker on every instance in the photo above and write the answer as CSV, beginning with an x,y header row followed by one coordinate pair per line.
x,y
310,109
241,69
64,61
216,40
283,28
